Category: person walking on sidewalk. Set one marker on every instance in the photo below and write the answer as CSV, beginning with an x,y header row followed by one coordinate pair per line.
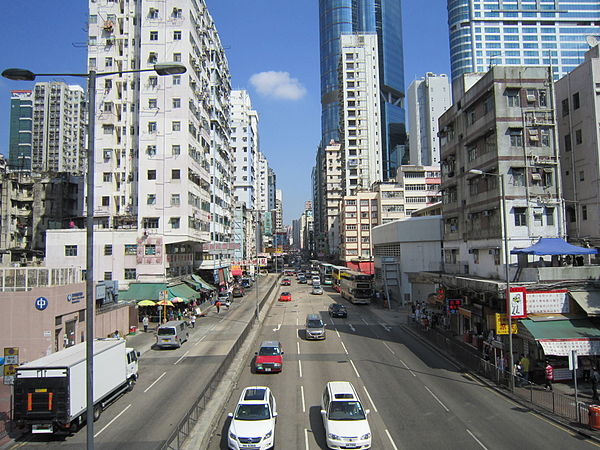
x,y
218,305
524,361
549,375
145,322
193,320
595,380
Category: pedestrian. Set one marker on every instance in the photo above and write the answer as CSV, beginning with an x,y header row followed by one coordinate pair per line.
x,y
145,322
524,361
518,373
218,305
549,375
116,334
595,380
193,320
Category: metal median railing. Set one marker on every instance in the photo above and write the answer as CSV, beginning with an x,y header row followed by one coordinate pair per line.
x,y
536,395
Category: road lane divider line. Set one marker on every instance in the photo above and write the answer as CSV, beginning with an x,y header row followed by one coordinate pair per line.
x,y
438,400
298,345
337,332
302,396
366,323
352,328
306,439
370,399
278,327
345,349
200,340
157,380
389,348
385,327
182,356
391,440
477,440
411,372
110,423
300,367
354,367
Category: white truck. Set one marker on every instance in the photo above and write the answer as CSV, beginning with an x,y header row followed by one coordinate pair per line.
x,y
50,392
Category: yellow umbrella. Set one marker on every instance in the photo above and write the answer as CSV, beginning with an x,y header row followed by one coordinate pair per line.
x,y
146,303
165,302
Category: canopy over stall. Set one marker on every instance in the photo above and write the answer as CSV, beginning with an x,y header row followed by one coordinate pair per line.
x,y
554,246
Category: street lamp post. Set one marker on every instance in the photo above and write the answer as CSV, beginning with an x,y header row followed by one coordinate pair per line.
x,y
27,75
511,383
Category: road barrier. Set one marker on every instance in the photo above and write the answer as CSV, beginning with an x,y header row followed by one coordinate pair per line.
x,y
187,423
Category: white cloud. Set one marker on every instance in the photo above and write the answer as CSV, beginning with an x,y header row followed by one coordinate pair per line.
x,y
277,85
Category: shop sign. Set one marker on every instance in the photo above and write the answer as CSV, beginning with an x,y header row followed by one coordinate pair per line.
x,y
548,302
517,303
502,324
41,303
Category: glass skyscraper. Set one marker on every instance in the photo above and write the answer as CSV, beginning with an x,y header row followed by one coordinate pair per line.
x,y
383,17
485,33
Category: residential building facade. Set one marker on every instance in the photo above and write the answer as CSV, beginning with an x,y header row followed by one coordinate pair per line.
x,y
20,130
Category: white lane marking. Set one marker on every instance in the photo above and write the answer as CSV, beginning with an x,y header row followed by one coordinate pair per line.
x,y
477,440
354,367
306,438
337,332
298,344
388,329
302,396
115,418
297,323
370,399
345,349
366,323
404,364
278,327
300,367
157,380
391,440
438,400
200,340
182,356
388,347
352,328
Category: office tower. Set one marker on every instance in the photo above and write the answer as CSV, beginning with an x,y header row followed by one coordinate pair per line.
x,y
578,115
520,32
360,112
271,188
383,18
278,210
428,99
21,125
244,146
59,128
262,183
163,163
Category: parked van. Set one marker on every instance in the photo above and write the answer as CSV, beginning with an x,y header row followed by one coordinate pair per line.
x,y
315,328
172,334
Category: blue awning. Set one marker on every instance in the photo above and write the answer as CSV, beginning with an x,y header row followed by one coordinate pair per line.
x,y
554,246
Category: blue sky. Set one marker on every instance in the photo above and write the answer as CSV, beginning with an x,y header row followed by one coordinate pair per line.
x,y
273,52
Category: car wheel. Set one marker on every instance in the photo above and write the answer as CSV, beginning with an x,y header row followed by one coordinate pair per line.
x,y
97,412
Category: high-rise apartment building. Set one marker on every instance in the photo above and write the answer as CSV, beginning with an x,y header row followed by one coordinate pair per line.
x,y
485,33
21,126
262,183
278,211
428,99
383,18
360,112
271,188
59,128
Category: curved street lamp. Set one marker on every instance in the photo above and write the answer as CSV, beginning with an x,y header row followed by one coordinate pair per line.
x,y
168,68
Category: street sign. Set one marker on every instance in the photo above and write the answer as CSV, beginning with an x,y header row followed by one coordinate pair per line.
x,y
11,362
502,324
573,360
517,304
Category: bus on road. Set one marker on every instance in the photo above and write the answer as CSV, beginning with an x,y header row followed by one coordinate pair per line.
x,y
336,275
325,271
357,287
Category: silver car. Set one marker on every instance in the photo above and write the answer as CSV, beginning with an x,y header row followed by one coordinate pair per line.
x,y
317,290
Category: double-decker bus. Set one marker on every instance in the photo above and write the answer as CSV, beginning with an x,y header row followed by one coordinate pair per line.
x,y
325,272
336,275
356,286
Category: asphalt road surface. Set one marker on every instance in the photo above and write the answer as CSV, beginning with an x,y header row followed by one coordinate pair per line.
x,y
418,399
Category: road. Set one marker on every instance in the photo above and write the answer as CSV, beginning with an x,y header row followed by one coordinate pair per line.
x,y
170,381
418,399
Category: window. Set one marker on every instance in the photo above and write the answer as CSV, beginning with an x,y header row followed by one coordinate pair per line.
x,y
520,217
175,200
578,137
512,97
565,107
154,35
581,175
567,143
151,150
176,126
130,274
175,174
150,250
518,176
70,250
575,101
108,62
516,137
176,80
151,174
151,127
176,35
153,14
107,83
176,103
130,249
153,81
175,222
151,199
107,276
150,222
108,250
176,150
583,212
543,98
177,57
106,200
549,213
107,177
152,103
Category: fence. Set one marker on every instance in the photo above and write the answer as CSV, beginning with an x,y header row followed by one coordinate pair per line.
x,y
185,425
536,395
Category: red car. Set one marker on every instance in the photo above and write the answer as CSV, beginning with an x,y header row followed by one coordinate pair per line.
x,y
269,357
285,297
286,282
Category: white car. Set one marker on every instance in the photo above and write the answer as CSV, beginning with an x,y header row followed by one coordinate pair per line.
x,y
344,419
253,422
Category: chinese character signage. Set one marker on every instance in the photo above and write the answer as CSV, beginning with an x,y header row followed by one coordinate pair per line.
x,y
454,304
517,302
502,324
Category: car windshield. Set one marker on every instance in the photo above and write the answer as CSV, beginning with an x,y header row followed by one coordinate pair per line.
x,y
268,351
314,324
252,412
337,307
166,331
285,294
346,410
